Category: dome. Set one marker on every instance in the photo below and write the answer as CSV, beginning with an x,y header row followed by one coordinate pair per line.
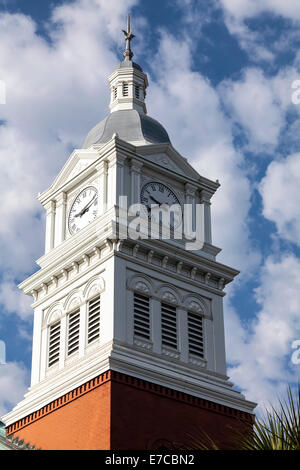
x,y
131,126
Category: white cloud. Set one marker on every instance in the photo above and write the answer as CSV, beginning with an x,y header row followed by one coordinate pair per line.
x,y
259,106
253,105
57,92
260,353
13,385
256,42
203,134
280,192
54,96
13,300
242,9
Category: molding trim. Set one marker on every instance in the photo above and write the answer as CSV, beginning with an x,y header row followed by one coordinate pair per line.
x,y
118,377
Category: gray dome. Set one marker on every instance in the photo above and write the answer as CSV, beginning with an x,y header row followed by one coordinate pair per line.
x,y
130,125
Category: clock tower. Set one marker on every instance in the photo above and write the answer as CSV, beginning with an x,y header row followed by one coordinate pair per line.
x,y
128,340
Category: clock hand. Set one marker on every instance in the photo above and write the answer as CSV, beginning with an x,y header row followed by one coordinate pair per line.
x,y
161,204
155,200
86,208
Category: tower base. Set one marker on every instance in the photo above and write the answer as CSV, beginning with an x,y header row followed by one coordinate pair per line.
x,y
115,411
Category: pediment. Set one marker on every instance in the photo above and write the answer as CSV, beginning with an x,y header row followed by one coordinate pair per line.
x,y
78,161
166,156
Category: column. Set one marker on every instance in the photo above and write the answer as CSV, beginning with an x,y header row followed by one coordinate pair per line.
x,y
82,328
44,353
135,172
36,346
102,172
130,317
205,200
60,225
218,335
50,225
183,341
156,324
63,341
190,196
115,179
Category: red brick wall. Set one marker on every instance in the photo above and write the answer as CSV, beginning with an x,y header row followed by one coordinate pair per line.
x,y
116,411
82,422
146,416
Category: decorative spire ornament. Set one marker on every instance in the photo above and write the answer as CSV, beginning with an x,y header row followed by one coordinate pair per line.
x,y
128,54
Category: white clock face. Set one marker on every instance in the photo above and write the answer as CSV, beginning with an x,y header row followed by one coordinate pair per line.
x,y
159,194
83,210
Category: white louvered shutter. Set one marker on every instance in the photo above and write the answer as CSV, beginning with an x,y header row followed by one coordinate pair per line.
x,y
54,343
94,319
73,331
168,326
141,316
195,334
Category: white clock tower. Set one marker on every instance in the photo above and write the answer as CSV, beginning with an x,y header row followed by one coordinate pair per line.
x,y
128,341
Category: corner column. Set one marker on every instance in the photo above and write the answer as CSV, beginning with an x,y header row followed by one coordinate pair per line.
x,y
50,226
102,172
190,198
205,200
135,172
60,226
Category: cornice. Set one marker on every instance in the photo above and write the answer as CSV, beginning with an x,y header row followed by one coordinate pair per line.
x,y
131,361
128,151
130,381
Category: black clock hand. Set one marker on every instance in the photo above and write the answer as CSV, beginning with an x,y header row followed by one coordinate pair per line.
x,y
163,204
86,208
155,200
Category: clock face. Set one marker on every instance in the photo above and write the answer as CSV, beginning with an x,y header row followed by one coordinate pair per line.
x,y
83,210
158,194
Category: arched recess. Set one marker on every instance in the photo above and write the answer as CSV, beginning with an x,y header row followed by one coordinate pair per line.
x,y
73,300
141,283
169,294
195,303
54,313
95,286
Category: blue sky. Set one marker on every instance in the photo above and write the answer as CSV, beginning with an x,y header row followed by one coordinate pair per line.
x,y
227,68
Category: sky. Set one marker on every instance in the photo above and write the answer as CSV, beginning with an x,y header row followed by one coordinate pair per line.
x,y
220,80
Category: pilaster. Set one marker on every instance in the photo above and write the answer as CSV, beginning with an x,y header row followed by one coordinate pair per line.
x,y
50,225
135,172
60,219
205,200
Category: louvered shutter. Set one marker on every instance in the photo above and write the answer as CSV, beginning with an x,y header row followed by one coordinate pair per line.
x,y
195,334
125,89
54,343
73,331
93,319
141,316
168,326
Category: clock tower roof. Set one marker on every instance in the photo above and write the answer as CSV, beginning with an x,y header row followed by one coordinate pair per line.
x,y
128,114
129,125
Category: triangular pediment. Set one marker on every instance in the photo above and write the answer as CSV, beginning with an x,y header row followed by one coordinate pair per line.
x,y
78,161
166,156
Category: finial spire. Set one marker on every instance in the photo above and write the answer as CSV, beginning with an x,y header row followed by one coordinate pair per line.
x,y
128,54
